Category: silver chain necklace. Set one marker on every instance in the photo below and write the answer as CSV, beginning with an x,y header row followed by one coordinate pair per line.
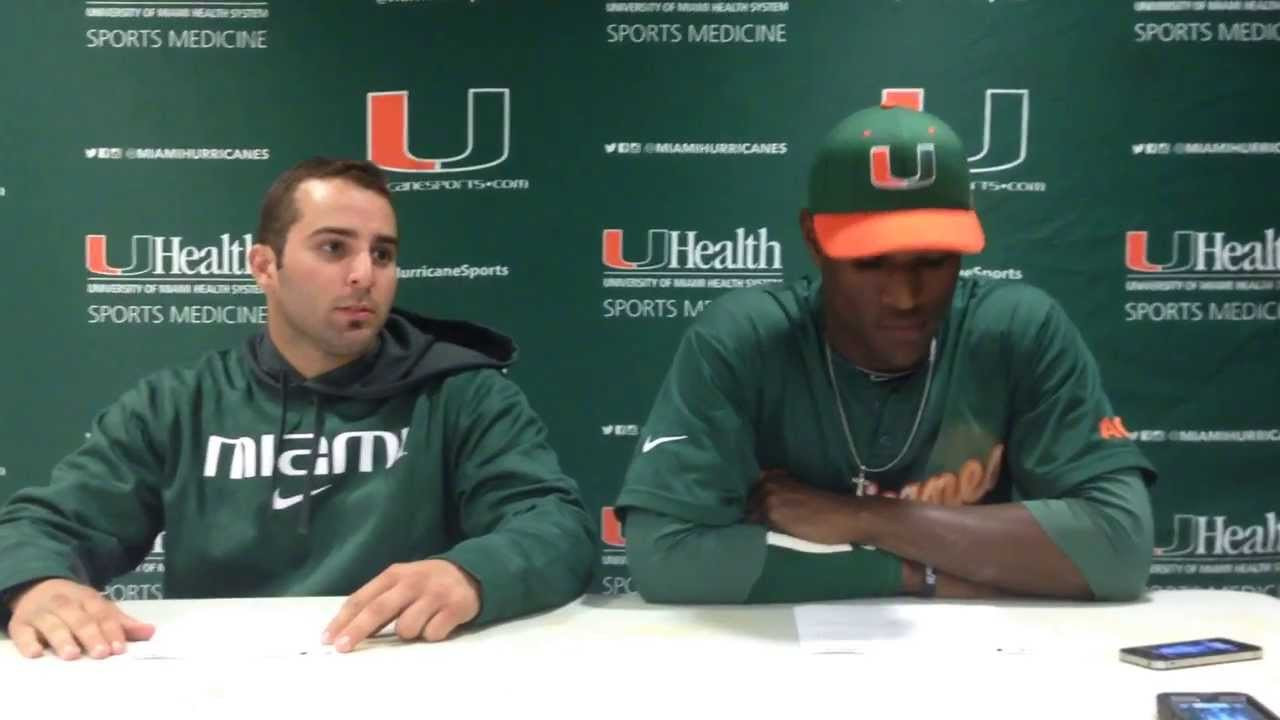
x,y
859,481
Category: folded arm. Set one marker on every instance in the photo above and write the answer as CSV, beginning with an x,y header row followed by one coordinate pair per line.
x,y
676,561
1094,542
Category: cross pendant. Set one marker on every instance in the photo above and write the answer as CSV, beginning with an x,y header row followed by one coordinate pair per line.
x,y
859,482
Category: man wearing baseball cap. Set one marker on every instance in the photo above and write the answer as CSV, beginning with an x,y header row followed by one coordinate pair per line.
x,y
890,428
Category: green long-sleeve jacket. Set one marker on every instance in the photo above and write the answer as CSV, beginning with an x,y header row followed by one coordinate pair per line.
x,y
268,484
1011,409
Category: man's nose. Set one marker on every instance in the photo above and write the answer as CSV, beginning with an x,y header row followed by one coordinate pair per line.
x,y
901,290
360,273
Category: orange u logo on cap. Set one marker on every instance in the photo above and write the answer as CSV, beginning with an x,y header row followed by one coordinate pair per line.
x,y
882,173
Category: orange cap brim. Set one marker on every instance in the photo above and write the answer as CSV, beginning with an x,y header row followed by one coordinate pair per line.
x,y
858,235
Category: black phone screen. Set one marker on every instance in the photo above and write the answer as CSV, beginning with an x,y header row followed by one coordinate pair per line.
x,y
1215,710
1193,648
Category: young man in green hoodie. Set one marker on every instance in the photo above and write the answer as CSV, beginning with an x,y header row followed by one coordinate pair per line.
x,y
351,448
893,428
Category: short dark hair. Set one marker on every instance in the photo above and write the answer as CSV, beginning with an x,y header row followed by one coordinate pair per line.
x,y
280,211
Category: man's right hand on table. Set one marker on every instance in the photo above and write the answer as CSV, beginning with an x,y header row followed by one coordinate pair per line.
x,y
72,620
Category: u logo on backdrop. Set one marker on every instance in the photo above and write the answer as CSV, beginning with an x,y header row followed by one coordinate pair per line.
x,y
488,133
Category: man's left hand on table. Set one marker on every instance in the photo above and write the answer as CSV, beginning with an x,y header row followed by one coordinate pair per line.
x,y
427,599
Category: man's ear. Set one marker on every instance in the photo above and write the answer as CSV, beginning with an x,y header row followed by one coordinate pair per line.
x,y
262,265
810,237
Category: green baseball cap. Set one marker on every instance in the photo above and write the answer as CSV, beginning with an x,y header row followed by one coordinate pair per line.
x,y
892,179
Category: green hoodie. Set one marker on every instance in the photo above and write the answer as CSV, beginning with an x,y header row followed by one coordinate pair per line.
x,y
269,484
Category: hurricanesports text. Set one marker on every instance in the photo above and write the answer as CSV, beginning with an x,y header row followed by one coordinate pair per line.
x,y
464,271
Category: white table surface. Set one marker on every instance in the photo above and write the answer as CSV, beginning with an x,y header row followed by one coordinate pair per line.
x,y
617,657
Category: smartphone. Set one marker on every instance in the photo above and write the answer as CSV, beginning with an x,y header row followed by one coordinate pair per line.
x,y
1188,653
1211,706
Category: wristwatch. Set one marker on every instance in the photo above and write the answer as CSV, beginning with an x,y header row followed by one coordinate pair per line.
x,y
929,585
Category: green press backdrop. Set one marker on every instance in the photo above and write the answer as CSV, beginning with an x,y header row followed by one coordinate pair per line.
x,y
556,164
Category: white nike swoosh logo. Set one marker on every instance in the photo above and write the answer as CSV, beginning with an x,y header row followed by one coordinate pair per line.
x,y
653,442
280,503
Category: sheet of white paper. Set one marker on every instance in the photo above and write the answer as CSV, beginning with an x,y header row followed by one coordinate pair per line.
x,y
909,628
234,634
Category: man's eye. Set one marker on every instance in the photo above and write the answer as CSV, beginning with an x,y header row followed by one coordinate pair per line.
x,y
871,263
331,247
384,255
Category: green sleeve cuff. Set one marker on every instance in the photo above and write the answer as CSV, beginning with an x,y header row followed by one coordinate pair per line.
x,y
1107,532
519,575
498,592
793,576
676,561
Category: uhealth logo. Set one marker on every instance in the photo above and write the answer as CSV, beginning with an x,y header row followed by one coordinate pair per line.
x,y
1194,252
683,252
160,255
1214,536
488,133
1006,113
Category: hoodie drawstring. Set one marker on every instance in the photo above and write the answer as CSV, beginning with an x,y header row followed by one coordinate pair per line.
x,y
304,523
279,444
